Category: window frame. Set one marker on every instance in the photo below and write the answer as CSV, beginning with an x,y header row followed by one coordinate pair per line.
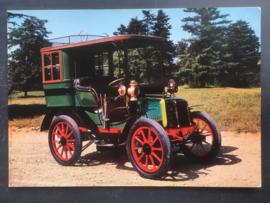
x,y
52,66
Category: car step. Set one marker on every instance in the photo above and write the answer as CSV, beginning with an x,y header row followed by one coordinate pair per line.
x,y
106,147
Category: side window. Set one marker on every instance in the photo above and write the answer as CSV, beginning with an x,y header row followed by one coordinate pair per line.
x,y
118,64
51,67
102,64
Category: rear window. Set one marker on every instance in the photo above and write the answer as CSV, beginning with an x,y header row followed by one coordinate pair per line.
x,y
51,67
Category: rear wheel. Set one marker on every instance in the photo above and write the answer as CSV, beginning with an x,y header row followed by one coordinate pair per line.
x,y
65,140
149,148
204,144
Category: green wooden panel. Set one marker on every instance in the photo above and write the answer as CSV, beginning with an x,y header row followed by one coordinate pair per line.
x,y
66,72
66,84
63,100
86,99
95,117
152,108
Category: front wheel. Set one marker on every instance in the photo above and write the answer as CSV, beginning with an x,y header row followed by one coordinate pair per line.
x,y
204,143
65,140
149,148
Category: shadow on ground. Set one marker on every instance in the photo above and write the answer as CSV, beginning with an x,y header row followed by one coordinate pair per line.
x,y
181,169
26,111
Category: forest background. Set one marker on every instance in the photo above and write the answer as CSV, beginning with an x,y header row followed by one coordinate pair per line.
x,y
219,53
219,63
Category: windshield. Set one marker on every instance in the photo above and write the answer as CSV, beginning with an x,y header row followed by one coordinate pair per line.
x,y
143,64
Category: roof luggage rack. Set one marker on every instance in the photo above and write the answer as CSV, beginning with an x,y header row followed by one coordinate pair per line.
x,y
73,39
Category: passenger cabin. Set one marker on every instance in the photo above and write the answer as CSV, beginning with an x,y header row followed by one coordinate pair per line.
x,y
96,63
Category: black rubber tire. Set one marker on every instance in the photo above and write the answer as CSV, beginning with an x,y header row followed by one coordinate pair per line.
x,y
216,141
77,145
162,141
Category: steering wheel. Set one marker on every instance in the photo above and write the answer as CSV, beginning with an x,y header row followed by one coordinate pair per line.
x,y
119,81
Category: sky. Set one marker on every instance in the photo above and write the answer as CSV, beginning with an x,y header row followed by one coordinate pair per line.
x,y
97,22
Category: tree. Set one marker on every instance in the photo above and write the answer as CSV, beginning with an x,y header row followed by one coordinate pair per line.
x,y
135,26
206,55
148,21
162,28
154,26
24,62
121,30
244,45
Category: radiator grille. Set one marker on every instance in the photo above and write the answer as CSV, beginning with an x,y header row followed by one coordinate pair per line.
x,y
177,113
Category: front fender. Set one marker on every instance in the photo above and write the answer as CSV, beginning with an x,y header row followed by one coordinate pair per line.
x,y
47,119
80,117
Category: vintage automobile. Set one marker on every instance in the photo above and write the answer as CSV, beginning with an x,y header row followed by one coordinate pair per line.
x,y
111,91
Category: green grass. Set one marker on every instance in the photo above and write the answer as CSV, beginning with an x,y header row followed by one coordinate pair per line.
x,y
26,112
36,97
234,109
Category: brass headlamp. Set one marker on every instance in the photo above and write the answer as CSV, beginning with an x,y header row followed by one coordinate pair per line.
x,y
122,90
133,90
172,87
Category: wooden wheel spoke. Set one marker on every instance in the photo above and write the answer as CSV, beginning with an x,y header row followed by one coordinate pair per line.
x,y
205,125
66,152
141,157
59,130
146,161
156,149
198,151
71,140
71,146
139,140
143,135
66,130
192,146
63,129
149,136
154,154
207,143
69,134
62,151
152,161
69,151
136,148
60,145
151,144
205,131
59,136
203,148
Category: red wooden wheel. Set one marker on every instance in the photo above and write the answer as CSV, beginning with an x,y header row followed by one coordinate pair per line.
x,y
63,141
204,143
203,146
147,149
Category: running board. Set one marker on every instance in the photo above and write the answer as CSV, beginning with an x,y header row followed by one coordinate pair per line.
x,y
107,147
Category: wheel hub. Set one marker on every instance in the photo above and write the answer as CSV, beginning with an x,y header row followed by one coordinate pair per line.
x,y
147,149
63,141
197,137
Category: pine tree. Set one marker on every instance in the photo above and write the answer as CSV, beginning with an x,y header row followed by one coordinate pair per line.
x,y
148,21
153,26
162,28
206,55
135,26
121,30
244,46
24,62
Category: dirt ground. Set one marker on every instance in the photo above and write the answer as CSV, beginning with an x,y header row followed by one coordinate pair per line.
x,y
31,164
